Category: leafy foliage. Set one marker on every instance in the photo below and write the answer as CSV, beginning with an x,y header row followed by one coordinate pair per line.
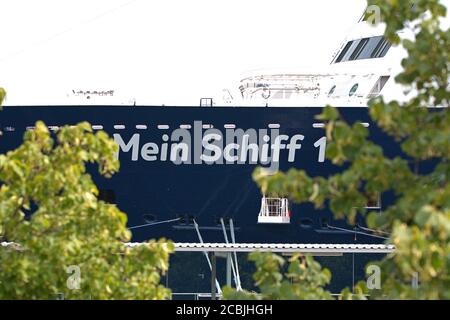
x,y
303,280
49,207
2,96
419,220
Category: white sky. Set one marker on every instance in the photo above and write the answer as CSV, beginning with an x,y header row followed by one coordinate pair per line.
x,y
160,51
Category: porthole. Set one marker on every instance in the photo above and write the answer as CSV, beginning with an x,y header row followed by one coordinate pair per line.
x,y
266,93
353,90
333,88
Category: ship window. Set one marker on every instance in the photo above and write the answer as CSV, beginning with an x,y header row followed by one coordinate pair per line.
x,y
353,90
359,48
385,49
346,48
266,93
206,102
379,85
374,203
366,48
333,88
381,49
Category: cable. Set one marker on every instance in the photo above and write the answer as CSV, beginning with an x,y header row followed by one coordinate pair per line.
x,y
154,223
372,230
358,232
213,196
233,239
67,30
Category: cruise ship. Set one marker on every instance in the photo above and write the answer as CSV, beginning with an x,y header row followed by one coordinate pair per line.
x,y
186,172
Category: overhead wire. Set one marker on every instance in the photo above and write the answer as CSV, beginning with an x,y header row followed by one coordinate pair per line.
x,y
67,30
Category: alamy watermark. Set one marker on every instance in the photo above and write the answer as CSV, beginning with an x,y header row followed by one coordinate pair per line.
x,y
373,281
373,15
73,282
374,277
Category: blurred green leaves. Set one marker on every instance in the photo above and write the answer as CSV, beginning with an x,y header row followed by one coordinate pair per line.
x,y
2,96
419,220
303,279
49,206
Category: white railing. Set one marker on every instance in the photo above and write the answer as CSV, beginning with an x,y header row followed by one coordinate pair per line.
x,y
274,210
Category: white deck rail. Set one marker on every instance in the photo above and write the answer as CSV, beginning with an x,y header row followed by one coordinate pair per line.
x,y
273,247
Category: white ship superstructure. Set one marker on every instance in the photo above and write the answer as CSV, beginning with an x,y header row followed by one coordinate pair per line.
x,y
362,68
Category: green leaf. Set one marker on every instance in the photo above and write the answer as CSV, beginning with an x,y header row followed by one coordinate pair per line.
x,y
70,226
2,96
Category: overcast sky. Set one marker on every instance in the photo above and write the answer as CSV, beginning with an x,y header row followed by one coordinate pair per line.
x,y
160,51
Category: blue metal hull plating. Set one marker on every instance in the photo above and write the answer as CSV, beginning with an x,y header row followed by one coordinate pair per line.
x,y
154,190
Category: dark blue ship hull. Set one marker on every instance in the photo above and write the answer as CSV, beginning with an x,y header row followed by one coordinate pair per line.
x,y
155,191
162,198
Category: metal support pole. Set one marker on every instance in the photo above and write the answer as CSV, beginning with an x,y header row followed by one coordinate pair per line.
x,y
206,255
232,262
233,239
229,265
415,280
213,275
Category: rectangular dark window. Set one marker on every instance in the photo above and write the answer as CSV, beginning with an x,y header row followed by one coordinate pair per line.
x,y
379,85
381,49
385,50
369,48
343,52
359,48
374,203
366,48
